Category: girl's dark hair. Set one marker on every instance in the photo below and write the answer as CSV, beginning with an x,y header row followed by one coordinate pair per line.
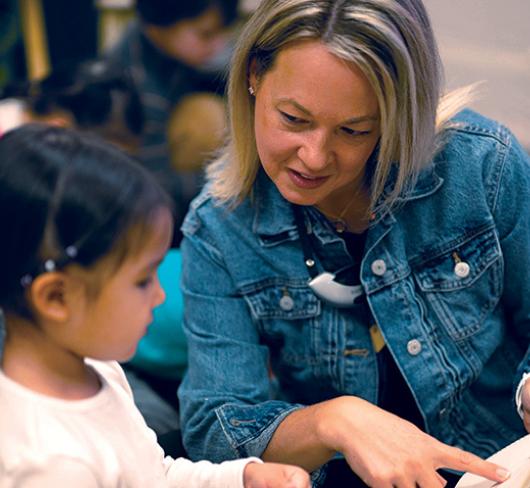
x,y
62,190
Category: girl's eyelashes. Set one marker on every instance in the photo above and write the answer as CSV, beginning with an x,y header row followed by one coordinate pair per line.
x,y
145,282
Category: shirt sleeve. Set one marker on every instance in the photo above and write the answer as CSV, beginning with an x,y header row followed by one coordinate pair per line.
x,y
58,471
204,474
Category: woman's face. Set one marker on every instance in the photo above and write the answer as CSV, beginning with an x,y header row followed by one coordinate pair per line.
x,y
316,124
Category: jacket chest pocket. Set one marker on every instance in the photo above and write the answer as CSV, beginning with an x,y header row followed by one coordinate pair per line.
x,y
463,284
285,312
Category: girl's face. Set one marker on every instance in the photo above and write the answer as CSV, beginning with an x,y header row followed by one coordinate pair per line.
x,y
110,325
316,124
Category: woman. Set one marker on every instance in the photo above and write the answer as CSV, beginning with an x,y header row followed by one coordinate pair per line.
x,y
360,259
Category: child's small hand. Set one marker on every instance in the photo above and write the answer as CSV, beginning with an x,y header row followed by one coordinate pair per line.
x,y
273,475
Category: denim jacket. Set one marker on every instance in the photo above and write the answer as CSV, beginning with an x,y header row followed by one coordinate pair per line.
x,y
460,339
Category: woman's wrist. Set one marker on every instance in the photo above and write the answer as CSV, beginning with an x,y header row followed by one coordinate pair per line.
x,y
301,438
333,422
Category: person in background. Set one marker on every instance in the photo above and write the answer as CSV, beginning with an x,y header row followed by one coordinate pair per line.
x,y
93,96
87,229
363,243
176,54
196,130
175,49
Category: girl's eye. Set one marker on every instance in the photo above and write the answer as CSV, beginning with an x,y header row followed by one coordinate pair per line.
x,y
145,282
292,119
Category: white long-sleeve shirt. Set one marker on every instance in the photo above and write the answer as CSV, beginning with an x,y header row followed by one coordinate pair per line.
x,y
100,442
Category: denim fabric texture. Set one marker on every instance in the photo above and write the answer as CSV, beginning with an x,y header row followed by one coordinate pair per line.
x,y
459,339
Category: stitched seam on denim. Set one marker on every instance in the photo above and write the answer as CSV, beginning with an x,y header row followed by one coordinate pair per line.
x,y
448,286
266,420
231,441
373,285
437,251
274,281
203,247
493,193
501,135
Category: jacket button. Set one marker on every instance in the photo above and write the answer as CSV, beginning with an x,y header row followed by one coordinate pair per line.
x,y
378,267
286,303
462,269
414,347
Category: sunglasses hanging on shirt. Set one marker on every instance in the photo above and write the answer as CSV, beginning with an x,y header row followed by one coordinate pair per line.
x,y
324,284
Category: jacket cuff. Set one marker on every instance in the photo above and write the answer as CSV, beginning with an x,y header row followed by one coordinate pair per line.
x,y
249,428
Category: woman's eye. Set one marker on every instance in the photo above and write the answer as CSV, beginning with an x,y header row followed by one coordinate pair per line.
x,y
292,119
351,132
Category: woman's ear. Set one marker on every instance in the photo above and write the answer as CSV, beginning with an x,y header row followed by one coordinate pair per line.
x,y
47,294
252,77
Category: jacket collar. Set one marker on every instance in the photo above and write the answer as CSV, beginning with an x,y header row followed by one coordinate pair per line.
x,y
273,214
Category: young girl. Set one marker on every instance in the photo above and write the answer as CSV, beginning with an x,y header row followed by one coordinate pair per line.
x,y
84,231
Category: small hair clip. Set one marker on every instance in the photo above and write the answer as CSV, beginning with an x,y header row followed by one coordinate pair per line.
x,y
26,280
71,252
49,265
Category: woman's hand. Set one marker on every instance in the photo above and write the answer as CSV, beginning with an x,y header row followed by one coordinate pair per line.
x,y
273,475
525,401
386,451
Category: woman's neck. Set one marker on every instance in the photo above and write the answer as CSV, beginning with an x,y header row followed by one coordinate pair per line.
x,y
37,362
349,214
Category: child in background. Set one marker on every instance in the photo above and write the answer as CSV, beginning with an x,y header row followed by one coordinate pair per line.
x,y
93,96
85,231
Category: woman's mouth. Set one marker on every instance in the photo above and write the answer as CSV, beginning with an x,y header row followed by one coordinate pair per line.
x,y
302,180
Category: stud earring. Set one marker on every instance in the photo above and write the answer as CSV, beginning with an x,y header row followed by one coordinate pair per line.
x,y
251,90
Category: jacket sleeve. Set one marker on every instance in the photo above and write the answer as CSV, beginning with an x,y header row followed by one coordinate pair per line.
x,y
226,407
510,199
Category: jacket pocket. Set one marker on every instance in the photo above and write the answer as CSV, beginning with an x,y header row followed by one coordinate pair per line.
x,y
286,312
462,284
282,299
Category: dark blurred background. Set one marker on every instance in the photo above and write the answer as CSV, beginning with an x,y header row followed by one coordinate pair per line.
x,y
480,40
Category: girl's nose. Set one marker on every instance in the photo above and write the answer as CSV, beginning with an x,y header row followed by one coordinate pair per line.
x,y
159,295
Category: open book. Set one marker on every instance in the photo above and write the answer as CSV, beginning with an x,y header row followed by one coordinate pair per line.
x,y
515,457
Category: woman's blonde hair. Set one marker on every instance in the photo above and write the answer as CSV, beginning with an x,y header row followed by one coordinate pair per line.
x,y
391,41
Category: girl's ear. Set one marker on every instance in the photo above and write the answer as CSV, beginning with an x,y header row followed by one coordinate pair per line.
x,y
47,295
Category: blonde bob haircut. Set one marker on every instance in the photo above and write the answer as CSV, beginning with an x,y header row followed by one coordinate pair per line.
x,y
391,41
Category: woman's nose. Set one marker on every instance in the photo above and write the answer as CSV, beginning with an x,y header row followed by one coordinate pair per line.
x,y
315,151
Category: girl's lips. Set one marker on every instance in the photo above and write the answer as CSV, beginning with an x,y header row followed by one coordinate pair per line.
x,y
306,182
